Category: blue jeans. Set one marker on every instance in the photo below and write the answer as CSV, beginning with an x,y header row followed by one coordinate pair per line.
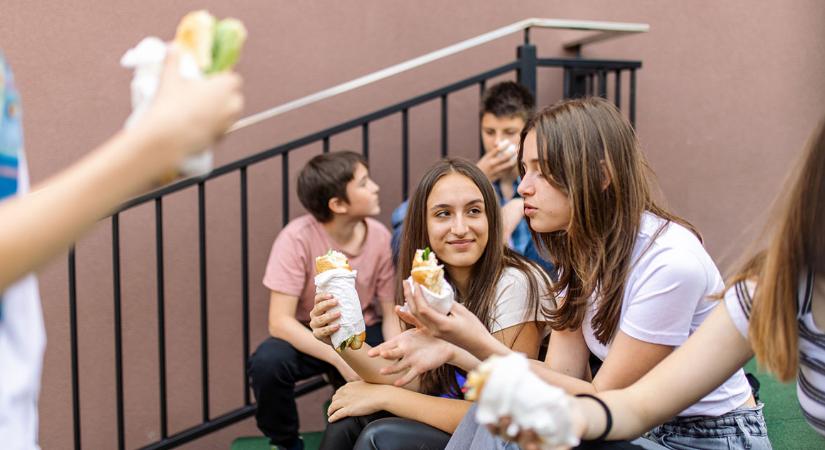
x,y
742,428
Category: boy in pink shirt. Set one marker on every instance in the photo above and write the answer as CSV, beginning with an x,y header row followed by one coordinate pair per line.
x,y
341,198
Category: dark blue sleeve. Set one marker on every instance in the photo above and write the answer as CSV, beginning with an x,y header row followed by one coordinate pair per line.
x,y
397,221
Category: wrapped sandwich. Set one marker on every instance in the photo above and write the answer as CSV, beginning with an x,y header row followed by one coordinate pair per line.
x,y
508,148
208,46
429,275
505,386
336,277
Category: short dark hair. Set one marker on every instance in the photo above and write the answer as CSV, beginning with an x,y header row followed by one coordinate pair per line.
x,y
508,99
325,177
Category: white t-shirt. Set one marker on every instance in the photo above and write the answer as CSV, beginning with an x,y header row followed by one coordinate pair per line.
x,y
22,342
666,299
810,386
511,300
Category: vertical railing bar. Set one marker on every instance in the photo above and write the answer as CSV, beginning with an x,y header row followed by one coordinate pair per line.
x,y
567,79
74,347
589,85
632,100
118,336
203,298
164,421
245,281
602,84
618,94
482,86
365,141
326,144
405,152
444,126
285,188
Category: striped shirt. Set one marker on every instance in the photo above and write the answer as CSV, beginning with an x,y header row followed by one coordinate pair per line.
x,y
810,388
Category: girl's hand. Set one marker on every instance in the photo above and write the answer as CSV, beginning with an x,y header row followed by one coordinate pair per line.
x,y
415,352
356,399
527,439
459,327
322,322
192,114
495,164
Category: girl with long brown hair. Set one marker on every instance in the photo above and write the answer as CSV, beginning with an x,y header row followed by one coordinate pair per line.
x,y
454,211
634,279
774,308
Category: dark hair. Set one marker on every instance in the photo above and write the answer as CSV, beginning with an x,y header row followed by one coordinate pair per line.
x,y
480,297
325,177
579,141
508,99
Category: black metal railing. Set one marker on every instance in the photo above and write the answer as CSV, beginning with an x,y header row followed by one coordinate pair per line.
x,y
582,77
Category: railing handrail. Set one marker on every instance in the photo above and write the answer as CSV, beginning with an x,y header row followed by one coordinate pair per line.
x,y
605,30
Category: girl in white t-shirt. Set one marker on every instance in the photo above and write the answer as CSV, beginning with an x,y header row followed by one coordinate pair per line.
x,y
774,307
634,279
454,211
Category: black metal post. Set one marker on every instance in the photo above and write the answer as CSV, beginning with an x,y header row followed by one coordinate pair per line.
x,y
121,438
618,94
526,72
482,85
164,421
245,282
203,297
444,126
365,141
74,347
326,144
632,108
405,152
602,84
285,188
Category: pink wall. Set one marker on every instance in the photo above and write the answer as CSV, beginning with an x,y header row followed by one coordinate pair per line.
x,y
727,95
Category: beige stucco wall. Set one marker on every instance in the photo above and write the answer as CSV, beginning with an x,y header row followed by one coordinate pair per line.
x,y
726,96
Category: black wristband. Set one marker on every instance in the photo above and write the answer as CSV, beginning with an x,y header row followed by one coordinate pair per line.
x,y
608,418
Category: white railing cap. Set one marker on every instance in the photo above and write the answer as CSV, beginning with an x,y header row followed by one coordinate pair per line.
x,y
604,30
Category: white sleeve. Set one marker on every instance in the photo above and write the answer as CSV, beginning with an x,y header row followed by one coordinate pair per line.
x,y
738,304
663,297
511,301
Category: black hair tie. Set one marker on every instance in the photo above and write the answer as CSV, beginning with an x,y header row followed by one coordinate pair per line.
x,y
608,416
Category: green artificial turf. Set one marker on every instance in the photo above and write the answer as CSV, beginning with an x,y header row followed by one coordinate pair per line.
x,y
786,426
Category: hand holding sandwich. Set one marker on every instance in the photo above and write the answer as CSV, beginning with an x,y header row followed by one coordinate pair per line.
x,y
191,113
460,327
336,277
509,393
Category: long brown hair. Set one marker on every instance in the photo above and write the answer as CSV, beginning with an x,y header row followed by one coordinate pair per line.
x,y
480,296
796,244
580,142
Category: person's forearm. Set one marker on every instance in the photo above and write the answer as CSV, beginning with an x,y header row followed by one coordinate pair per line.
x,y
369,368
390,323
463,359
487,347
570,384
292,331
421,407
45,222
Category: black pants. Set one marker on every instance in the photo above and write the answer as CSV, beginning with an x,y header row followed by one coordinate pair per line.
x,y
273,370
382,431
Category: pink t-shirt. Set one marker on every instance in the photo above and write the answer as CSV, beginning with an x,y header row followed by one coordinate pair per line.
x,y
291,266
